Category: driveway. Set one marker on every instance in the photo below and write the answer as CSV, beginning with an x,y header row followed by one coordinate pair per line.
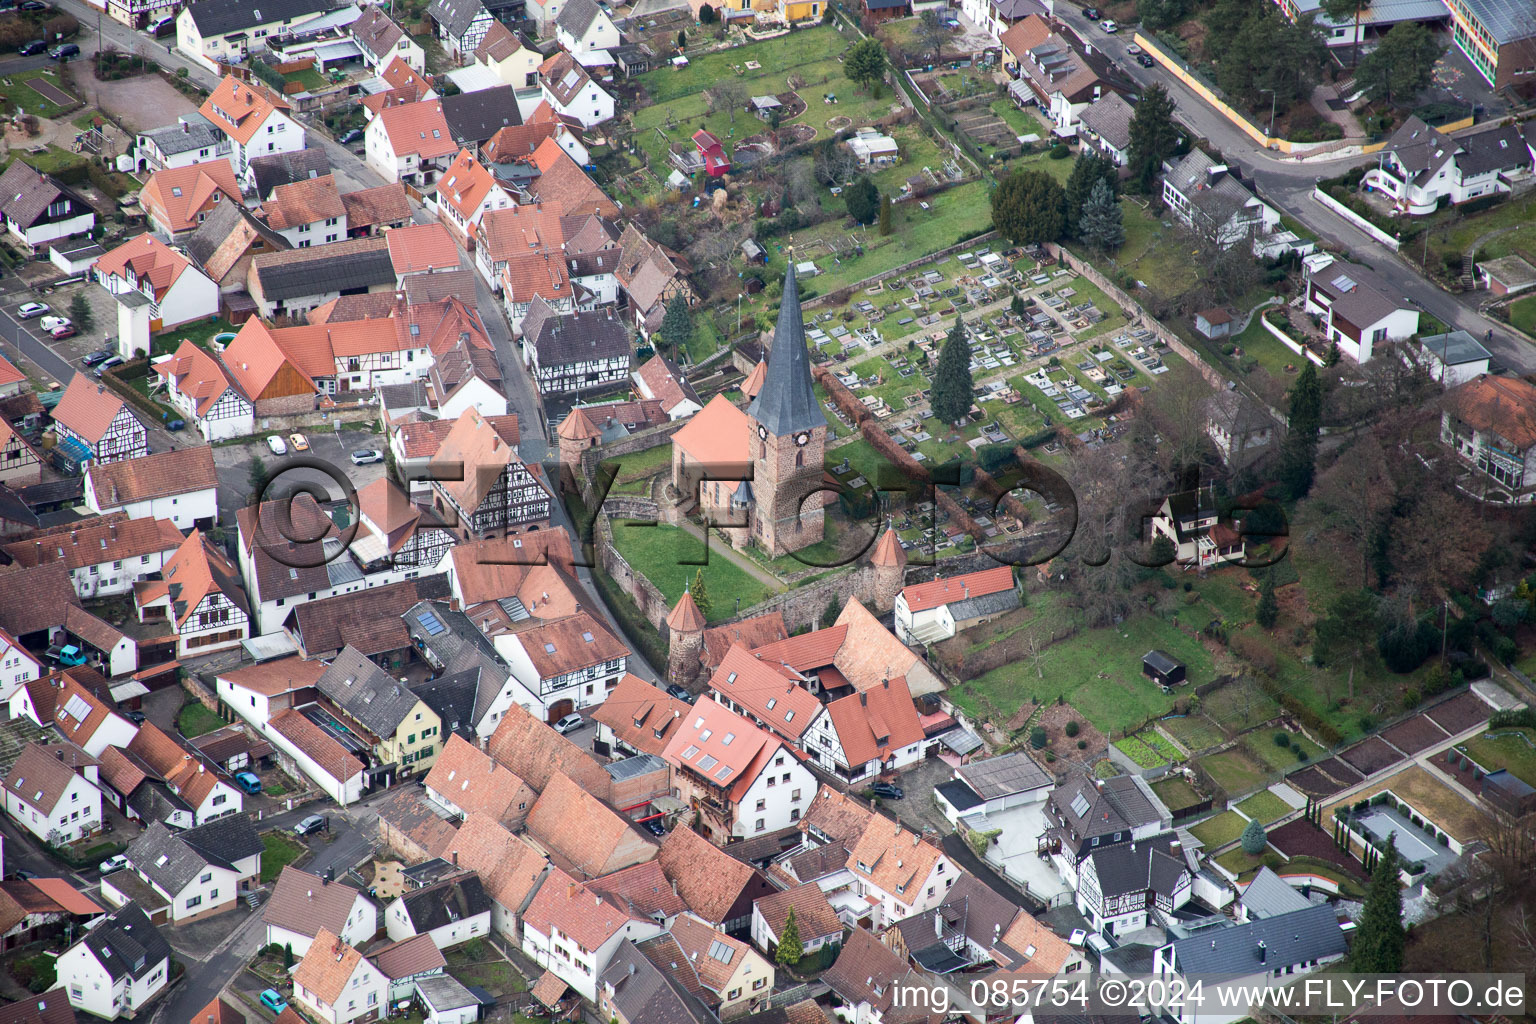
x,y
232,462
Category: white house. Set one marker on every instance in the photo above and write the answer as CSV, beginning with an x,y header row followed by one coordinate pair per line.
x,y
1082,815
584,30
36,209
191,140
1452,359
1236,424
1212,203
746,781
18,666
576,659
452,911
304,904
1487,422
573,932
1421,168
260,692
253,118
202,392
574,352
937,610
318,757
572,92
410,142
898,871
178,292
1125,887
104,559
200,597
115,968
219,32
992,785
51,792
1106,126
307,212
1190,521
381,40
1270,952
178,484
199,872
337,984
466,192
1356,307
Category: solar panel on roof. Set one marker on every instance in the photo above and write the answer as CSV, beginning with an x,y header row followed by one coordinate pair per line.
x,y
430,623
77,708
724,772
1079,805
720,951
1344,282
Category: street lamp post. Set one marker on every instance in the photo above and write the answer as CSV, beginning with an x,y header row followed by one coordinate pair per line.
x,y
1271,92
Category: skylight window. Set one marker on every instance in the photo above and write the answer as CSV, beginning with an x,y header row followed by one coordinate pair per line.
x,y
724,772
705,735
707,762
690,752
789,716
771,702
549,648
726,741
587,637
731,678
720,951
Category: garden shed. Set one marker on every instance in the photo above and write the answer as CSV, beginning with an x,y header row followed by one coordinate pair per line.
x,y
1162,668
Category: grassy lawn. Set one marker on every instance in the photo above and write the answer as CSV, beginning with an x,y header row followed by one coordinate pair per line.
x,y
1514,749
1523,314
1237,861
194,720
1141,753
20,94
1461,233
278,851
640,465
660,553
200,334
1151,255
1098,671
1023,122
1262,746
1235,771
1264,807
1273,357
1220,830
309,78
1196,732
1175,792
53,160
490,972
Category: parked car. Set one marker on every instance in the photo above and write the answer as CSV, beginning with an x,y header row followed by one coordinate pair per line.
x,y
48,323
174,425
1145,60
136,717
101,355
112,864
680,692
273,1000
1132,49
655,828
34,5
888,791
277,444
350,136
35,46
313,823
299,442
248,781
1109,26
60,333
63,51
107,364
1091,13
365,456
22,874
569,724
28,310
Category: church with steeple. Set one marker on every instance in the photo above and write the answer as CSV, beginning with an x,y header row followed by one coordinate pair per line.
x,y
758,473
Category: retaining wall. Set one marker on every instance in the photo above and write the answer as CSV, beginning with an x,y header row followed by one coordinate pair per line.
x,y
1354,218
1289,342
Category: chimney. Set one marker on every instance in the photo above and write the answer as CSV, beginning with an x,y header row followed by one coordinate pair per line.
x,y
863,699
311,894
570,891
1176,849
186,128
938,925
455,858
1263,952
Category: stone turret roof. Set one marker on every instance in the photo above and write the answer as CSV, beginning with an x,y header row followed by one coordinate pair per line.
x,y
686,617
577,426
888,550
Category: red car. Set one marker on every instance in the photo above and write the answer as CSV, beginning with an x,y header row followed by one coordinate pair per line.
x,y
67,331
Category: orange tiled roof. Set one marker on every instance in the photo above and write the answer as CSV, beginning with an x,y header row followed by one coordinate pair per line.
x,y
174,471
640,715
303,202
239,108
516,141
466,184
509,866
579,912
875,722
561,180
582,834
327,967
419,248
717,435
477,784
537,274
766,693
145,258
893,858
371,207
923,596
176,195
530,228
1503,405
420,129
708,879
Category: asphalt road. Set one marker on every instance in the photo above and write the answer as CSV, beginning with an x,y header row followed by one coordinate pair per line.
x,y
16,65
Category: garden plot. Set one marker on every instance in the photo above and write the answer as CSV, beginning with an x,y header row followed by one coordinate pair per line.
x,y
1371,756
1460,713
1416,734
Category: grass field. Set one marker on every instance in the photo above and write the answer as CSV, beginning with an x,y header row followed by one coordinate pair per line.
x,y
1151,254
1514,749
19,93
1522,314
662,554
194,720
490,972
1235,771
639,465
1264,807
278,851
1196,732
1220,830
52,160
1098,671
1175,792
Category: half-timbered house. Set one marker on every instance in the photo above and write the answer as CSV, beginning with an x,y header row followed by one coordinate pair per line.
x,y
396,529
200,597
202,392
94,425
268,376
574,352
493,494
19,462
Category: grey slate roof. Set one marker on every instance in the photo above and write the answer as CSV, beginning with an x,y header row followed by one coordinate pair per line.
x,y
1455,347
286,168
225,840
1001,776
460,647
452,696
1108,806
1497,149
366,692
575,337
960,796
473,117
1125,868
577,16
787,403
126,944
164,859
206,238
316,271
1297,937
970,908
446,902
1269,895
25,194
218,17
1110,117
454,15
643,992
1358,294
984,604
1217,201
194,131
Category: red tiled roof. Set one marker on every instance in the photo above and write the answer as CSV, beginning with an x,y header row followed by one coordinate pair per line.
x,y
923,596
418,248
640,715
239,109
419,128
88,408
176,195
717,435
332,757
766,693
876,722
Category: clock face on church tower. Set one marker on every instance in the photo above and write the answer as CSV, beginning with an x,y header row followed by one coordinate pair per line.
x,y
803,438
762,432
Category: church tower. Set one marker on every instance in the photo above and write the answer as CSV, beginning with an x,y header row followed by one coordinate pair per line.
x,y
788,440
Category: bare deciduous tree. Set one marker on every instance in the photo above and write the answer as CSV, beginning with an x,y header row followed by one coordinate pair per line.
x,y
728,94
1352,499
1177,407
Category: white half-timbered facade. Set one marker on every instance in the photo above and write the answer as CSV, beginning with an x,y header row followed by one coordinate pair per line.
x,y
199,389
93,424
514,501
575,352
